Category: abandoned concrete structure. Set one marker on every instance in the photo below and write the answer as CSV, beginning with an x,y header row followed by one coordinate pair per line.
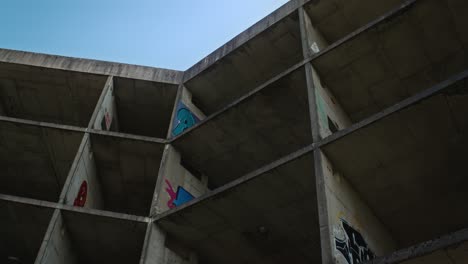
x,y
332,131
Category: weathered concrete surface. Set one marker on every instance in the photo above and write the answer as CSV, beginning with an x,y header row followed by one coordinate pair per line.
x,y
89,238
345,206
127,171
269,216
258,130
22,228
91,66
419,154
174,175
57,246
337,18
35,160
143,107
398,58
247,66
84,175
49,95
448,249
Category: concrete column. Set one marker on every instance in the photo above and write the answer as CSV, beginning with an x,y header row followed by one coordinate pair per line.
x,y
312,40
84,189
105,116
176,184
57,247
160,249
186,114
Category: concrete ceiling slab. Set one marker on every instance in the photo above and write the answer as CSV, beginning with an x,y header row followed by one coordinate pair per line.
x,y
251,64
22,229
35,160
269,217
127,170
99,239
260,129
337,18
49,95
396,59
144,108
413,163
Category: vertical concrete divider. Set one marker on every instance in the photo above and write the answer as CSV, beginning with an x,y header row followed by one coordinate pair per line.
x,y
186,114
176,184
83,186
346,222
56,247
174,110
105,116
159,248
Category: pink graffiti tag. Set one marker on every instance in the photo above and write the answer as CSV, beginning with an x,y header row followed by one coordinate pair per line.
x,y
172,195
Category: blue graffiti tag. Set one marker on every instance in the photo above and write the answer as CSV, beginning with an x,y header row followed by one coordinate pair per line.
x,y
184,119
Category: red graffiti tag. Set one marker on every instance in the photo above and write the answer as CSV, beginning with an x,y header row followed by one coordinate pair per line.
x,y
172,195
80,199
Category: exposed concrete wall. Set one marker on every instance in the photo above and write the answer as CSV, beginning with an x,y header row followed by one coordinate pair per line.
x,y
158,249
173,175
186,99
345,207
330,112
179,121
314,39
106,116
58,246
85,173
91,66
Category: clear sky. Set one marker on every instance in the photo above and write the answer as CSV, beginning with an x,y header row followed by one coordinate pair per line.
x,y
172,34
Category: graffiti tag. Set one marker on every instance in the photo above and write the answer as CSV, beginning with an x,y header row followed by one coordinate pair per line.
x,y
352,245
80,199
184,119
177,198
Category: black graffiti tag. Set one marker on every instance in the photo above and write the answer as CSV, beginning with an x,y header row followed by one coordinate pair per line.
x,y
353,246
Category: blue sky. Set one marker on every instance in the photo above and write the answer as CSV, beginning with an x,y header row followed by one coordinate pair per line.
x,y
171,34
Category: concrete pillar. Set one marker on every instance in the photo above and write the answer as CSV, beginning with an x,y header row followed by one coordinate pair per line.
x,y
176,184
160,249
84,189
186,114
57,246
105,117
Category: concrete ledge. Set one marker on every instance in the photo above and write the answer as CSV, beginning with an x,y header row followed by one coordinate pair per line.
x,y
91,66
424,248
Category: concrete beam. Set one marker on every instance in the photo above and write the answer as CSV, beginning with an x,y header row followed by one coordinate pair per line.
x,y
91,66
449,241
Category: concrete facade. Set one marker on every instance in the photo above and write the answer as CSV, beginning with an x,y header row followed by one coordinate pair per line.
x,y
330,132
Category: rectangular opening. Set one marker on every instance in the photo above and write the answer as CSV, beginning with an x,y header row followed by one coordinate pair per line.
x,y
136,107
22,230
49,95
115,174
78,238
35,160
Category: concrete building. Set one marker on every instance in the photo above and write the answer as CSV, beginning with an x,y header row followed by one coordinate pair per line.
x,y
330,132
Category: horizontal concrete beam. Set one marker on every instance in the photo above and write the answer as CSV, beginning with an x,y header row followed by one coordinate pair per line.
x,y
91,66
61,206
424,248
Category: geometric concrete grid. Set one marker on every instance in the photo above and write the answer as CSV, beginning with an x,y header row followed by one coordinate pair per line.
x,y
329,132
